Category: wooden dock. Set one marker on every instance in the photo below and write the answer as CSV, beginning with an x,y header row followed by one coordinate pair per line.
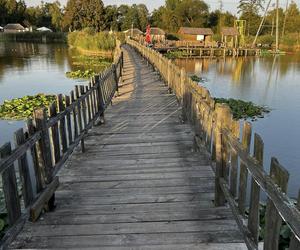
x,y
139,184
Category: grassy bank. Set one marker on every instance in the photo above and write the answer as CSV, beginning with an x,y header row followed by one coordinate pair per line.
x,y
43,37
91,42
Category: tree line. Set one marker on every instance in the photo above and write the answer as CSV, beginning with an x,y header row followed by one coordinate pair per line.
x,y
92,14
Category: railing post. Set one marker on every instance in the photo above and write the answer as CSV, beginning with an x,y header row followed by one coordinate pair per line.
x,y
10,188
253,219
24,169
169,75
273,219
221,112
246,141
44,150
100,98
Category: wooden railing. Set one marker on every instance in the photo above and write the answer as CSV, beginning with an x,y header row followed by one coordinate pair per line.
x,y
49,140
235,167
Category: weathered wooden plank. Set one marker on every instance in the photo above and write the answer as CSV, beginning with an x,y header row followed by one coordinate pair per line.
x,y
246,141
54,135
273,219
39,182
43,150
69,123
84,106
131,228
253,218
88,101
24,170
235,130
62,124
74,114
133,241
79,109
10,188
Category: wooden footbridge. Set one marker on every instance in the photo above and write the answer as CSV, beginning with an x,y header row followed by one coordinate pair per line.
x,y
164,168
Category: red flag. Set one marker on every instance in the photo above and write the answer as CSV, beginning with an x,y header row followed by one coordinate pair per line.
x,y
148,34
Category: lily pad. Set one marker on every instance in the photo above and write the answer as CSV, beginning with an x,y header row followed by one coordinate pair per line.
x,y
22,108
244,110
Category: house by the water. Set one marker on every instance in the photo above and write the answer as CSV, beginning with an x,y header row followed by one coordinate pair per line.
x,y
200,36
14,28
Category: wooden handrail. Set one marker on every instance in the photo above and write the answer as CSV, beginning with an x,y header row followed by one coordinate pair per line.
x,y
219,133
51,140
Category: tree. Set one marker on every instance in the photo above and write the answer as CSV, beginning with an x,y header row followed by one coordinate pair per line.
x,y
292,18
56,15
112,16
249,10
80,14
136,15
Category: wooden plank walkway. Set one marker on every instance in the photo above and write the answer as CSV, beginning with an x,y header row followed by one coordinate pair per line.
x,y
140,185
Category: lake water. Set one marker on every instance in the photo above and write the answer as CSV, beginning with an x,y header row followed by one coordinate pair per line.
x,y
271,81
31,68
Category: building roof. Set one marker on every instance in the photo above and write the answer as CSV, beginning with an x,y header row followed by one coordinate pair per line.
x,y
44,29
14,26
195,31
157,31
135,31
229,31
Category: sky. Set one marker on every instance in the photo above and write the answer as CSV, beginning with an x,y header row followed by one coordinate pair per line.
x,y
230,5
152,4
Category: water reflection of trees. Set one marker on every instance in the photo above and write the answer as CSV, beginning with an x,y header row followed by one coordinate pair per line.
x,y
19,55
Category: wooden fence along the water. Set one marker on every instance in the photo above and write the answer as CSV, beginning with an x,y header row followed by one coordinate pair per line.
x,y
235,167
49,140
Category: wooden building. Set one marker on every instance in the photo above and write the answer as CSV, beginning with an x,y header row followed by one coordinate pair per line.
x,y
230,37
14,28
200,36
133,33
157,35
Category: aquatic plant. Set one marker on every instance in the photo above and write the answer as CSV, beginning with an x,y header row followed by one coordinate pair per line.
x,y
84,74
22,108
98,41
243,110
176,54
195,78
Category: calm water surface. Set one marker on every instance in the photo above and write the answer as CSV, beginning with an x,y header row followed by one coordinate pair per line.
x,y
270,81
28,69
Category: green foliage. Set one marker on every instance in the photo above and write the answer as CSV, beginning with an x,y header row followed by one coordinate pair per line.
x,y
172,37
80,14
136,15
176,54
22,108
243,110
285,231
195,78
83,74
96,42
91,61
176,13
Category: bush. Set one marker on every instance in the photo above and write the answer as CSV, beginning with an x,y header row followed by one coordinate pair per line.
x,y
87,41
172,37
